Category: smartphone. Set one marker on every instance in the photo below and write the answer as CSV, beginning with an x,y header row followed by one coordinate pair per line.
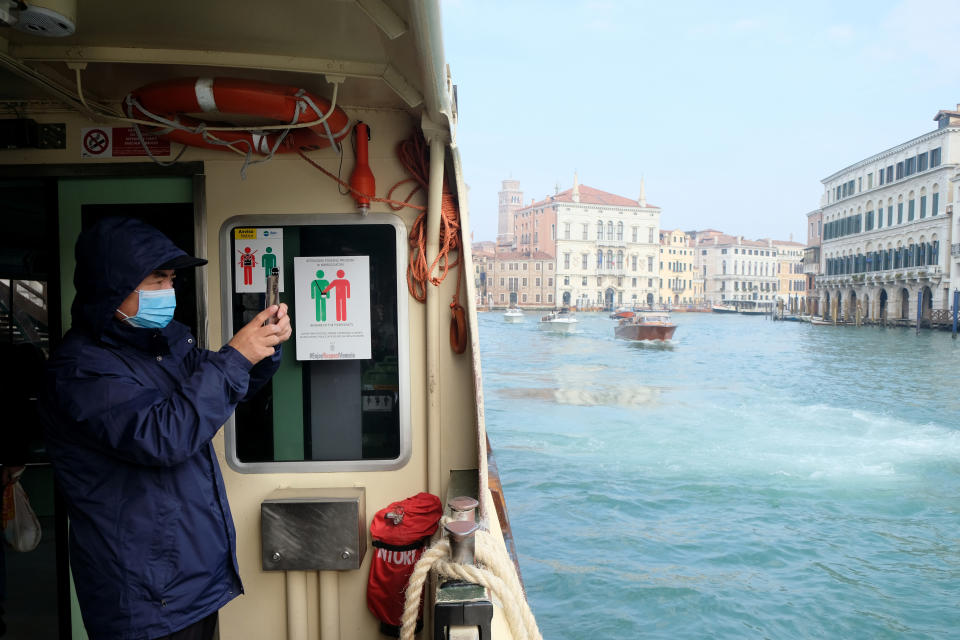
x,y
272,295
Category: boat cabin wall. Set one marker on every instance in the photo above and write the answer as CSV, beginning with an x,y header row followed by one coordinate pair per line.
x,y
287,185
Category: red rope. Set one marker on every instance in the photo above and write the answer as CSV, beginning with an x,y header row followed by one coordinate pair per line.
x,y
396,205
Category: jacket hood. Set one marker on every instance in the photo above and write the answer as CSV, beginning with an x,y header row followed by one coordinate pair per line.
x,y
113,257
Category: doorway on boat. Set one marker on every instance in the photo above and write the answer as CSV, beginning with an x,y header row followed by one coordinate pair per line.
x,y
608,299
904,304
166,203
36,287
29,314
882,316
927,306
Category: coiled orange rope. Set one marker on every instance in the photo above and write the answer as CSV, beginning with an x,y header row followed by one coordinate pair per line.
x,y
413,154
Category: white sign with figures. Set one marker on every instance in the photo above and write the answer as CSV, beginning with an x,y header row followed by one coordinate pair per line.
x,y
332,320
256,252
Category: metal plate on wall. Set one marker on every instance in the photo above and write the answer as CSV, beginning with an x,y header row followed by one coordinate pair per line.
x,y
313,530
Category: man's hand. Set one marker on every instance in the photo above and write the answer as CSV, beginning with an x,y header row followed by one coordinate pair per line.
x,y
257,340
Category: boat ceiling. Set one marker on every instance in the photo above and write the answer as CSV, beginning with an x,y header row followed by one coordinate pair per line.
x,y
388,50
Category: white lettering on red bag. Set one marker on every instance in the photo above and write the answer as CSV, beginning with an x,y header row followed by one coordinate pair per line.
x,y
398,557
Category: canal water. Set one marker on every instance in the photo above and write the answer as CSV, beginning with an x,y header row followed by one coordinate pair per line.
x,y
749,479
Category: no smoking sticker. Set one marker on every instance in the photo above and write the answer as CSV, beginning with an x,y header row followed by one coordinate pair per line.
x,y
121,142
96,142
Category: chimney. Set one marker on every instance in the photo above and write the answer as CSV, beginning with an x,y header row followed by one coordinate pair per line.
x,y
643,193
739,239
576,188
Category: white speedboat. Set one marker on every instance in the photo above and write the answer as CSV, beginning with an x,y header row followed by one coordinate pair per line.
x,y
513,314
559,321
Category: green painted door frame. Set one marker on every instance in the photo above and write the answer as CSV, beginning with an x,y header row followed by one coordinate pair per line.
x,y
73,194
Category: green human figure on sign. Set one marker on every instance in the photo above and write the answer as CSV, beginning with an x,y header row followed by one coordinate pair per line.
x,y
318,292
268,260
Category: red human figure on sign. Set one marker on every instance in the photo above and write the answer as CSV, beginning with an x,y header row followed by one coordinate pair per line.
x,y
248,261
342,292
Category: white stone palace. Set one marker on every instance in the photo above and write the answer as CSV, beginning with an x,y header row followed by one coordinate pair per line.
x,y
887,228
606,246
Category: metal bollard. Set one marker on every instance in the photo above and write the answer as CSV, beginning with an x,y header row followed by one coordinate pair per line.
x,y
463,508
463,543
462,609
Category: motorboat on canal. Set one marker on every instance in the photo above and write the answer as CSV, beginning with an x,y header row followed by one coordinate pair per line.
x,y
513,315
561,321
223,124
723,308
646,325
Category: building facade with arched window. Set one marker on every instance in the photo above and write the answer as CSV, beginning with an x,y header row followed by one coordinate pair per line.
x,y
736,271
792,285
887,228
606,248
681,284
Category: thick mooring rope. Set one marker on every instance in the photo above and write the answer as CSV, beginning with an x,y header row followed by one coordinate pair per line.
x,y
498,577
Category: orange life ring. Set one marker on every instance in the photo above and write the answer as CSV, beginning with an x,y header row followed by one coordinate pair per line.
x,y
171,99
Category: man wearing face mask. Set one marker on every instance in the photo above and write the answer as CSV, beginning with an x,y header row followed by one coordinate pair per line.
x,y
131,406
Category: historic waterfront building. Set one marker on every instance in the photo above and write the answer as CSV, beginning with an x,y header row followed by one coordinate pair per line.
x,y
484,264
522,280
736,271
955,239
792,284
606,246
680,283
811,262
886,229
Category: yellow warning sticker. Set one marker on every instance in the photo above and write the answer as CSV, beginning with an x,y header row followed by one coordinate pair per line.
x,y
245,234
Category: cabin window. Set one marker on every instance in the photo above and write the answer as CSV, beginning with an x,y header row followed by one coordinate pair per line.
x,y
340,400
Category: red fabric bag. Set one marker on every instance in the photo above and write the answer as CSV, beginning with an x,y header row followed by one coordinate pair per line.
x,y
400,532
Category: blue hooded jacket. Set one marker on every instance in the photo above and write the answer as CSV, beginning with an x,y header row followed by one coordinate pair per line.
x,y
130,413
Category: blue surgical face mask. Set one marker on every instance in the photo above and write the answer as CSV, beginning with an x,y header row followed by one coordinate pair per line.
x,y
155,310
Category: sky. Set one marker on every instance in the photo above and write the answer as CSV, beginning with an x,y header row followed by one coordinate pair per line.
x,y
732,112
